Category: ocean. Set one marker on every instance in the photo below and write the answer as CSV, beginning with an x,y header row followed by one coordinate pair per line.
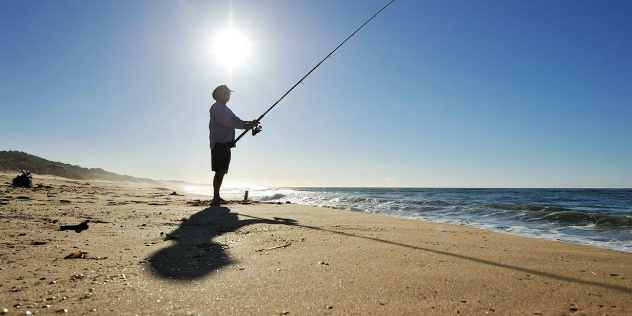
x,y
597,217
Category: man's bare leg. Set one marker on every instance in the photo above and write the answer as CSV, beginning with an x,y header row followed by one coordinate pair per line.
x,y
217,183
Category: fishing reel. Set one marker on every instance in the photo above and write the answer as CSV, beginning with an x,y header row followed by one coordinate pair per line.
x,y
256,130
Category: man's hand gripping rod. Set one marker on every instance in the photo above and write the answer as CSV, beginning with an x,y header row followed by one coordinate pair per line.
x,y
257,129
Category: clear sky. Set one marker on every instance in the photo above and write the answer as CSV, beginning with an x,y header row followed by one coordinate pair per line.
x,y
429,94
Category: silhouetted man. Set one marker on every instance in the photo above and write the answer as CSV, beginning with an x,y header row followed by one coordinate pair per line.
x,y
222,136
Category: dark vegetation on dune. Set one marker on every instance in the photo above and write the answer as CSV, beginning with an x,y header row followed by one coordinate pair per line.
x,y
14,161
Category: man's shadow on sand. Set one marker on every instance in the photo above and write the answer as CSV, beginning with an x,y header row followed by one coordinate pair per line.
x,y
193,253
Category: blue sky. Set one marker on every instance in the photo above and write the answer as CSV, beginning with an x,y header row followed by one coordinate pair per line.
x,y
429,94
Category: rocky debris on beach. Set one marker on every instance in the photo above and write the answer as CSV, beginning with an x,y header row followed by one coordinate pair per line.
x,y
278,203
199,202
208,202
77,255
23,180
77,228
82,255
167,236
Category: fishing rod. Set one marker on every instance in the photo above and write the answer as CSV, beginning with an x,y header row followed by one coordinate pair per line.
x,y
257,129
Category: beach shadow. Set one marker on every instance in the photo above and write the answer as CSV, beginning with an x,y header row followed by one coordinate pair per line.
x,y
194,253
474,259
487,262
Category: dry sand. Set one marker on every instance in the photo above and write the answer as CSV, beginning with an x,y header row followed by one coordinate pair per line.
x,y
262,259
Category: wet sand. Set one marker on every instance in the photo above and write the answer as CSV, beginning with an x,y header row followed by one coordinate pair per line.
x,y
150,253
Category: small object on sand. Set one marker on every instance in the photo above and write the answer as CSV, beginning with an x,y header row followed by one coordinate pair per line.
x,y
75,277
288,202
77,228
4,311
174,193
246,196
83,255
77,255
329,307
38,243
24,180
284,312
323,263
275,247
169,237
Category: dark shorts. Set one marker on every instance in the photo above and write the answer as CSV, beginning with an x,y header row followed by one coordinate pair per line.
x,y
220,157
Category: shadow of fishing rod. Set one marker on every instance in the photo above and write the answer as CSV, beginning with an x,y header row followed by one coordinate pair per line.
x,y
464,257
257,129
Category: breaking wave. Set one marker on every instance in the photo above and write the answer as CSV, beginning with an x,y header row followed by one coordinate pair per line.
x,y
276,196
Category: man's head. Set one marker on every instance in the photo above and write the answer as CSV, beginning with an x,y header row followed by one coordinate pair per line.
x,y
222,93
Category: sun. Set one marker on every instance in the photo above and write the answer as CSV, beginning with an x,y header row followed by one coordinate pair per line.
x,y
230,48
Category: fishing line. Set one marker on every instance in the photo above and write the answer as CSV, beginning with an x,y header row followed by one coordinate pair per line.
x,y
257,129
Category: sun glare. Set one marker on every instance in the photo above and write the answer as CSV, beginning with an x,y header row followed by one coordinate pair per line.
x,y
230,48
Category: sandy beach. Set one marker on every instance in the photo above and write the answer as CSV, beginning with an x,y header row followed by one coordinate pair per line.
x,y
147,252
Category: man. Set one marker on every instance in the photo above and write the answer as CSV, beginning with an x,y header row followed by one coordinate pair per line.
x,y
222,136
